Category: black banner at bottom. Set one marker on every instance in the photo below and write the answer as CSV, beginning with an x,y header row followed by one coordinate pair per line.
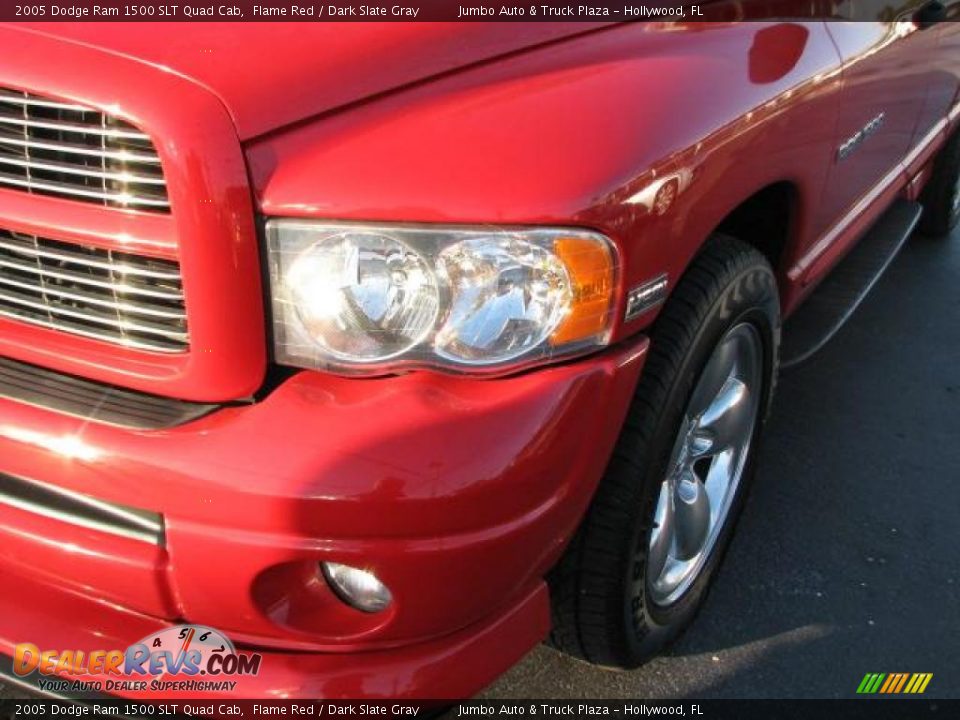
x,y
873,708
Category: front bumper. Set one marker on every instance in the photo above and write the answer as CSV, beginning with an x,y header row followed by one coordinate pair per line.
x,y
455,666
458,493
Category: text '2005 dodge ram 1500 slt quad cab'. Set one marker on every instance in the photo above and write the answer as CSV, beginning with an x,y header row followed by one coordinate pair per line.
x,y
392,350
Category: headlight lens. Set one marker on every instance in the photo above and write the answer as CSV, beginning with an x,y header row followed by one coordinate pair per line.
x,y
363,298
506,296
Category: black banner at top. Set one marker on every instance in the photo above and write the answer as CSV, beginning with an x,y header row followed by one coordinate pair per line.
x,y
441,10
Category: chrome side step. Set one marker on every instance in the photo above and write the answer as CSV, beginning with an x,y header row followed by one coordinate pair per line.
x,y
834,301
82,510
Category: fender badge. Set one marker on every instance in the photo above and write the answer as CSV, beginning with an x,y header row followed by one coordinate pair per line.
x,y
646,296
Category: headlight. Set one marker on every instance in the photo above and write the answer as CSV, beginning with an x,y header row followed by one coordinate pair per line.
x,y
364,298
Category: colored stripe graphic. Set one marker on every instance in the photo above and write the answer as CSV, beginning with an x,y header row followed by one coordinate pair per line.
x,y
894,683
870,683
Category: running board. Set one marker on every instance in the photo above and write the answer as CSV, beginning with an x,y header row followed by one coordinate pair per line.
x,y
834,301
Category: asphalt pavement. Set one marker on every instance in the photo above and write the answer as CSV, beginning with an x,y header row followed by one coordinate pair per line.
x,y
846,559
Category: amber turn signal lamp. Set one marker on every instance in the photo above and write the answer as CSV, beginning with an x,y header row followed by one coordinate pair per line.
x,y
590,266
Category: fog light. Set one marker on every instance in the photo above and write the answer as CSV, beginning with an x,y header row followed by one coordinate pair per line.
x,y
358,588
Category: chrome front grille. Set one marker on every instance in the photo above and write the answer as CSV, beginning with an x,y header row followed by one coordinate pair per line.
x,y
119,297
71,151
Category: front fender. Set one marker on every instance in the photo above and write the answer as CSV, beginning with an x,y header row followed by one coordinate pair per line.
x,y
649,132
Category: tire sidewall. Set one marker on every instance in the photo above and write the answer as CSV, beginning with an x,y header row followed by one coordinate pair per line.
x,y
751,297
952,197
940,217
953,186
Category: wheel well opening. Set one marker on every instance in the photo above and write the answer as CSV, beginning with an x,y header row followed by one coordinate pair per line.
x,y
764,221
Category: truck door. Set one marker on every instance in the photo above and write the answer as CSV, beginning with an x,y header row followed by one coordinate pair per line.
x,y
885,85
942,20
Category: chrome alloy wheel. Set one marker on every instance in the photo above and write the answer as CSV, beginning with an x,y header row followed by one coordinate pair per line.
x,y
707,462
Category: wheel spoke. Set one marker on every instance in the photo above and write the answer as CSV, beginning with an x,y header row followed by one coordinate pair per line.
x,y
718,370
719,480
661,536
725,421
691,515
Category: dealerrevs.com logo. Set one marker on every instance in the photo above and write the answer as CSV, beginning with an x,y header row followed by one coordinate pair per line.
x,y
184,658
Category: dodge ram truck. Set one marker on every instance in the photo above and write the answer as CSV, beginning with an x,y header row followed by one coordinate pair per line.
x,y
393,350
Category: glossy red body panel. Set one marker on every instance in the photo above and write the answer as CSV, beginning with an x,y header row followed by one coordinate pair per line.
x,y
254,497
459,493
312,67
452,667
119,570
878,65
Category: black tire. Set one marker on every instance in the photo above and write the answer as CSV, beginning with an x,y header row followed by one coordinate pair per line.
x,y
941,209
598,614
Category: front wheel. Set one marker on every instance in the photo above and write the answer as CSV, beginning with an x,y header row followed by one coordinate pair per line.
x,y
642,560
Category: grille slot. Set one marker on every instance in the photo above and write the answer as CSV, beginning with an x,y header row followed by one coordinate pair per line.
x,y
119,297
82,510
90,400
71,151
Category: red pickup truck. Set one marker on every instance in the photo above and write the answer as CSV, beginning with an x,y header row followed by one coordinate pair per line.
x,y
391,350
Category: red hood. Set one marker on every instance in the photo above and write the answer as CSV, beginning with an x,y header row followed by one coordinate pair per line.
x,y
272,74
